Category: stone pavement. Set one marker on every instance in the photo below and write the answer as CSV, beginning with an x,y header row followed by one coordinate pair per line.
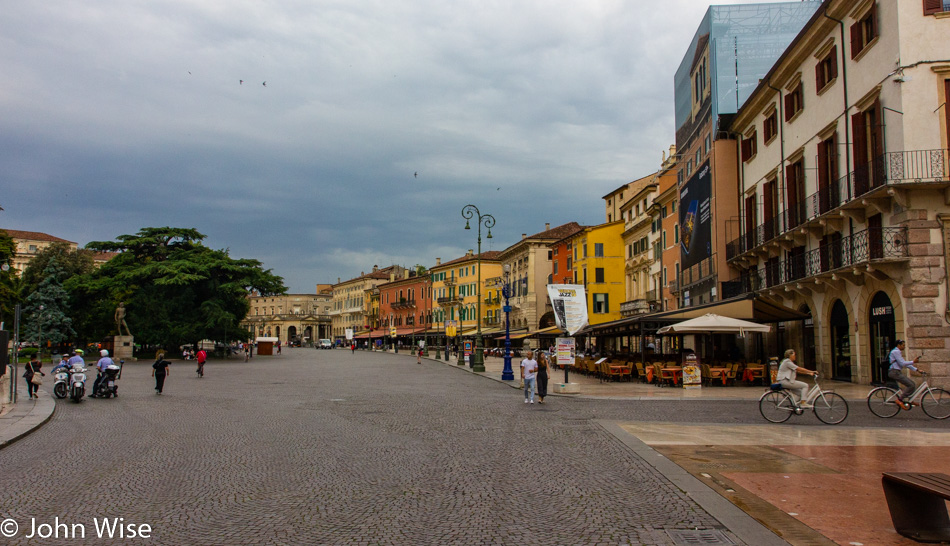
x,y
331,447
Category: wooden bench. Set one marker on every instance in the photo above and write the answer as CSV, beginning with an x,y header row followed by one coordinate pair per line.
x,y
917,504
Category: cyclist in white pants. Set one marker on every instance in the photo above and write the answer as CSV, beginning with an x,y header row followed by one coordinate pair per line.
x,y
787,371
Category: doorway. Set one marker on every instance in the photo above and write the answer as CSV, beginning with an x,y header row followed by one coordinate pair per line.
x,y
840,342
882,334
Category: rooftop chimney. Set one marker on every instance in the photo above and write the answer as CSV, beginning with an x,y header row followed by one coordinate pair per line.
x,y
392,277
547,226
438,261
375,268
524,235
470,252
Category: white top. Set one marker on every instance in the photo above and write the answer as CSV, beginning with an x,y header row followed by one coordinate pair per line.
x,y
786,370
530,368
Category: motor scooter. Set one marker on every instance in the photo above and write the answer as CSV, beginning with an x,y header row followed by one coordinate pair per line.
x,y
61,382
106,380
77,383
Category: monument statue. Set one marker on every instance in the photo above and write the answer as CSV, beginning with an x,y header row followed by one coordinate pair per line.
x,y
120,319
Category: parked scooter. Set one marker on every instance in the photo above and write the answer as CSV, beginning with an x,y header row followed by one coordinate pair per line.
x,y
77,383
107,386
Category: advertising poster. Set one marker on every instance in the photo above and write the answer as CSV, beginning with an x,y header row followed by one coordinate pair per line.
x,y
349,333
450,328
565,351
692,373
570,306
696,218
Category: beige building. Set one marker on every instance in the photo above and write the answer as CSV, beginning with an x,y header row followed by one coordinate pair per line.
x,y
349,307
31,243
455,292
290,318
639,286
529,263
845,178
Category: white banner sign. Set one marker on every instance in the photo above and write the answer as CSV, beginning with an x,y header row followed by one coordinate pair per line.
x,y
349,333
570,306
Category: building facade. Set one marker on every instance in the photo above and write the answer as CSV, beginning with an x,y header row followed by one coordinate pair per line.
x,y
639,287
455,289
30,243
291,318
844,183
599,266
348,307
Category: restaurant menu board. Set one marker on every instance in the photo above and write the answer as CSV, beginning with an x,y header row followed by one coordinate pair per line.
x,y
570,306
692,374
565,351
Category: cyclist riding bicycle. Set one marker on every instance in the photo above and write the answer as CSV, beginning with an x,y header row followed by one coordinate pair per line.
x,y
896,372
786,377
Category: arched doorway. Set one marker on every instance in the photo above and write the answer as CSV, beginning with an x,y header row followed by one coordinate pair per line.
x,y
840,342
882,335
546,320
308,333
277,332
808,339
291,334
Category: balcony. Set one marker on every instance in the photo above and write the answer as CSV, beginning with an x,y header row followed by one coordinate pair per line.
x,y
404,304
892,170
447,300
652,296
634,307
871,245
491,321
493,301
674,286
449,281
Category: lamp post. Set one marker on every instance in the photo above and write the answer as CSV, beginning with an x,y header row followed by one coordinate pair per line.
x,y
468,212
507,374
425,322
39,332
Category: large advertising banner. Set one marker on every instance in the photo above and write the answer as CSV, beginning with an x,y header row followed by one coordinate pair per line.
x,y
696,218
570,306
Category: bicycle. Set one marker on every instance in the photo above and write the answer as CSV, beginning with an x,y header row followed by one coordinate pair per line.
x,y
882,401
777,405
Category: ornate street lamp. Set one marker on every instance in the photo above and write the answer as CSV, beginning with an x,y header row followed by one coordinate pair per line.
x,y
471,211
425,322
507,374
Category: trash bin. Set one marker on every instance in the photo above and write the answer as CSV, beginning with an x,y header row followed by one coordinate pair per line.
x,y
773,369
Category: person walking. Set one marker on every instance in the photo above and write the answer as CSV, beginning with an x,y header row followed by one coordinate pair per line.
x,y
160,370
33,367
278,347
247,351
202,357
529,373
419,357
542,377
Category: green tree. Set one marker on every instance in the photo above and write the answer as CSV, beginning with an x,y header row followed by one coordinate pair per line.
x,y
175,289
46,311
72,262
9,282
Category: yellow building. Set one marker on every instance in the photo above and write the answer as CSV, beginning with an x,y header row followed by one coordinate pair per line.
x,y
455,290
599,266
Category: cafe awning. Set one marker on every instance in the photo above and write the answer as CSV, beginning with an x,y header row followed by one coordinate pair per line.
x,y
549,331
711,324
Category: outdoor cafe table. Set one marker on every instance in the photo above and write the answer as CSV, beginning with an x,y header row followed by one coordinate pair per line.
x,y
677,373
753,372
722,373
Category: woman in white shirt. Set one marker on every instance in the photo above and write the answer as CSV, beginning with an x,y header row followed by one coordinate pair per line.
x,y
787,371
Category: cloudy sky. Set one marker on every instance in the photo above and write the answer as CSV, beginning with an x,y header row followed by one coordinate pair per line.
x,y
378,122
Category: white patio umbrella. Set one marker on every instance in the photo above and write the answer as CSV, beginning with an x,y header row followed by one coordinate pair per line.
x,y
714,324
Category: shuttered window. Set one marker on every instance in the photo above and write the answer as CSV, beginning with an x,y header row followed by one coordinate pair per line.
x,y
863,31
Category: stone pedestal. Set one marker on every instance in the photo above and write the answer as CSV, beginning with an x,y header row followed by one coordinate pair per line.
x,y
567,388
122,348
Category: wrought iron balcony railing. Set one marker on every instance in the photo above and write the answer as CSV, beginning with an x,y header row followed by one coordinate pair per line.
x,y
404,304
863,247
447,299
889,169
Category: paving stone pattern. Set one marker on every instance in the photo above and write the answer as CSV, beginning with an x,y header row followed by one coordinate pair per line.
x,y
328,447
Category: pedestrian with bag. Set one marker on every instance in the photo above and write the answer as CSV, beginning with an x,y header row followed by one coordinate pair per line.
x,y
33,381
542,377
160,370
529,374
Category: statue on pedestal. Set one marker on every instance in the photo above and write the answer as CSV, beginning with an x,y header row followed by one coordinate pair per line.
x,y
120,319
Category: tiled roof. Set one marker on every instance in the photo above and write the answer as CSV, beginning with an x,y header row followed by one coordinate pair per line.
x,y
487,255
34,236
104,256
570,234
558,232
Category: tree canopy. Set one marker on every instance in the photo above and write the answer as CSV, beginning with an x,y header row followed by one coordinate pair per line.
x,y
175,289
47,308
9,282
71,262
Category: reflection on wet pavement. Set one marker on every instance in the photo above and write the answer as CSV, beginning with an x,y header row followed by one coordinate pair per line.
x,y
808,485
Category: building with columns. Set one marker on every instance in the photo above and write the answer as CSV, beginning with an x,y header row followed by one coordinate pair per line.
x,y
292,318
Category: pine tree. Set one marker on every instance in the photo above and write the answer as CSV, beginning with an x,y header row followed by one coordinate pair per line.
x,y
47,309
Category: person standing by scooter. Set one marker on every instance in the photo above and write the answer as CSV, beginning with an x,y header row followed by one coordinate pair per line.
x,y
202,356
103,363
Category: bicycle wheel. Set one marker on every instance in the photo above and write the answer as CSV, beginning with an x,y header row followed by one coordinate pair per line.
x,y
831,408
776,406
882,402
936,403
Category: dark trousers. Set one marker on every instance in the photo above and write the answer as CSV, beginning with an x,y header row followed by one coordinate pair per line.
x,y
159,381
906,382
30,387
95,384
542,385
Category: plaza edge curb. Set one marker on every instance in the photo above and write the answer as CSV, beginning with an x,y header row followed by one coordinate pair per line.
x,y
41,412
